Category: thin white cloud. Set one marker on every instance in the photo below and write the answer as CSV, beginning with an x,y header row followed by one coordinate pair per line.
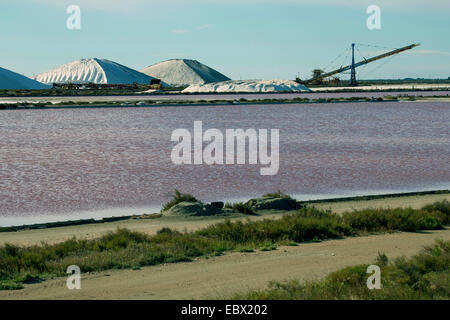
x,y
179,31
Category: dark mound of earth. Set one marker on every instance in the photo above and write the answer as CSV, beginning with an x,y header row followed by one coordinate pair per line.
x,y
268,203
195,209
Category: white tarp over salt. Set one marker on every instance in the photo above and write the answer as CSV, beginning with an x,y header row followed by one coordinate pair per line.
x,y
247,86
100,71
181,72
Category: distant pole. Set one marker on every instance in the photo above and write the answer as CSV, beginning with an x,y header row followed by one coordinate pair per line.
x,y
353,69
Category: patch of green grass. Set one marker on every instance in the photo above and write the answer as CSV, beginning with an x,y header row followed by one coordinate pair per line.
x,y
401,219
240,207
177,198
294,227
10,285
424,276
441,206
277,194
269,247
243,208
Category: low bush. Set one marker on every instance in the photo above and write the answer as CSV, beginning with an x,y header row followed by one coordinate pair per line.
x,y
441,206
400,219
291,227
277,194
177,198
242,208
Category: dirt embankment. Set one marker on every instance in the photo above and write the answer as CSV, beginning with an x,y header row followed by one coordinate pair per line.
x,y
151,226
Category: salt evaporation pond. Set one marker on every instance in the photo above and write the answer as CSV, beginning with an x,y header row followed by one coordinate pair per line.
x,y
60,164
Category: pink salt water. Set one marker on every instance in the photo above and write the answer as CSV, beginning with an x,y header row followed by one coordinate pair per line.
x,y
61,164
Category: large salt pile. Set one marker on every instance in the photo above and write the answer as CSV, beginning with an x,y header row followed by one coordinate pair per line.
x,y
181,72
251,86
14,81
100,71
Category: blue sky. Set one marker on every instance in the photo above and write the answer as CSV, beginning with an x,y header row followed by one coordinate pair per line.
x,y
245,39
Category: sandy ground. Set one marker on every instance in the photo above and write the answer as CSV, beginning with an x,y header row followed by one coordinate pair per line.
x,y
151,226
222,276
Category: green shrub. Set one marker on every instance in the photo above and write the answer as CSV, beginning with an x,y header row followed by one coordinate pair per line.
x,y
243,208
240,207
441,206
292,227
312,212
10,285
177,198
228,205
376,220
168,231
277,194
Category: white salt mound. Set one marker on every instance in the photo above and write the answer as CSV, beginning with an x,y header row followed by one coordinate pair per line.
x,y
100,71
14,81
250,86
181,72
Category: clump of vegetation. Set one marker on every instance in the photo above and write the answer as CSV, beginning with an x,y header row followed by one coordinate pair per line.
x,y
382,220
301,99
442,207
10,285
277,194
293,227
391,97
274,201
424,276
240,207
177,198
